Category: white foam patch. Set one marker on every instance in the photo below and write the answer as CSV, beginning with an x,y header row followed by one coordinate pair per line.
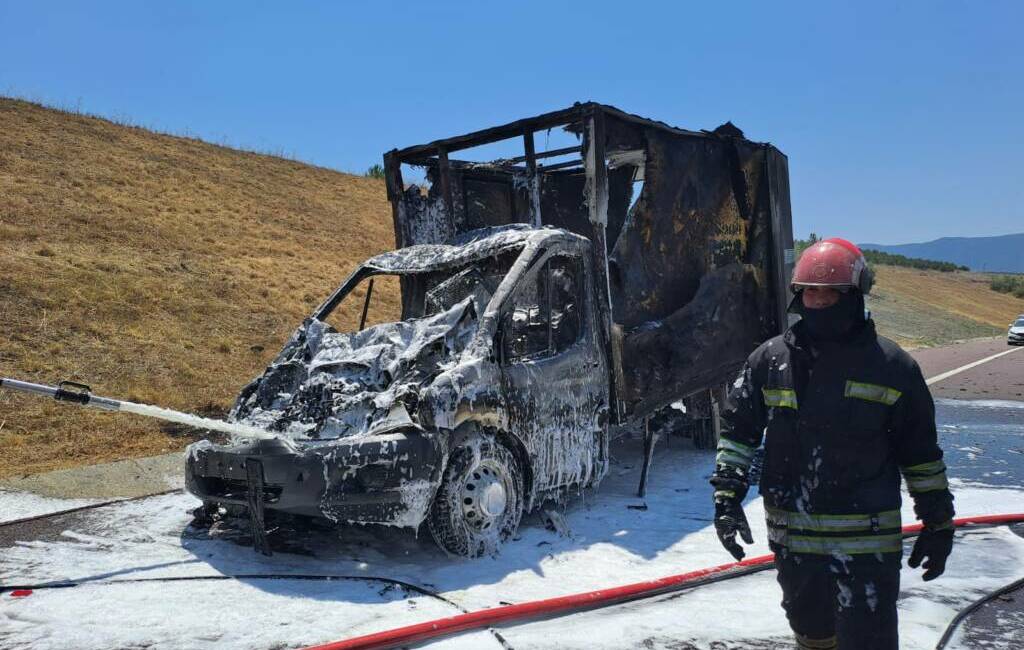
x,y
980,403
15,504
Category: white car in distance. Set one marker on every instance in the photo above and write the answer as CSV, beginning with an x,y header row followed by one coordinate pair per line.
x,y
1015,335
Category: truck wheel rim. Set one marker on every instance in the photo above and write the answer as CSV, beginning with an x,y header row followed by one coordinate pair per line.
x,y
485,495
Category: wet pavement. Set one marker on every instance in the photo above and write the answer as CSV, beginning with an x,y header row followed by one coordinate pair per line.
x,y
1001,378
983,440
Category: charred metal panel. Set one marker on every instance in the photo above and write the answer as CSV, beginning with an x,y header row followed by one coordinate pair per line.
x,y
479,197
554,372
707,205
686,222
562,204
423,217
783,256
488,202
697,345
561,201
622,135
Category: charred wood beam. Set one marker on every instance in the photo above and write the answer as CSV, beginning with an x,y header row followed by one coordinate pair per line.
x,y
644,121
395,187
561,165
480,171
533,179
501,163
545,154
597,204
531,155
597,172
445,174
776,170
650,440
496,133
496,167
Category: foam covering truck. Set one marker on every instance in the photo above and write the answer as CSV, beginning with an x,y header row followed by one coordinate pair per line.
x,y
546,302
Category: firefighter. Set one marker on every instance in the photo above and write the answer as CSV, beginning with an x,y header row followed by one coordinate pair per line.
x,y
843,413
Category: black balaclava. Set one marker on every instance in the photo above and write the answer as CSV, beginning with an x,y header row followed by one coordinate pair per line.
x,y
834,323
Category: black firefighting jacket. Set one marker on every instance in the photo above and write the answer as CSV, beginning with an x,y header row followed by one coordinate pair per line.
x,y
840,424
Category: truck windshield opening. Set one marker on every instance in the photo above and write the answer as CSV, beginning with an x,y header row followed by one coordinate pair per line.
x,y
378,299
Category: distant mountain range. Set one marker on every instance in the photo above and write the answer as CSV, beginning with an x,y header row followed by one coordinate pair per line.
x,y
1004,253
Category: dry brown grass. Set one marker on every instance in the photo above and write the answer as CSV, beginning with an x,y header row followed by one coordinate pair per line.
x,y
917,307
964,294
157,269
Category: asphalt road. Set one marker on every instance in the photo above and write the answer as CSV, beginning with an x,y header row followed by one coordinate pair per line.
x,y
1001,378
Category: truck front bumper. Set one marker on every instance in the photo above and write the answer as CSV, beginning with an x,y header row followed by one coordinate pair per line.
x,y
387,479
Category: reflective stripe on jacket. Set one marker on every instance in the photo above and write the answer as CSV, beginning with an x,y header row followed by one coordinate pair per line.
x,y
831,534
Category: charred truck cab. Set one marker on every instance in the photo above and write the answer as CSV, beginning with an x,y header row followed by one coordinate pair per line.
x,y
543,309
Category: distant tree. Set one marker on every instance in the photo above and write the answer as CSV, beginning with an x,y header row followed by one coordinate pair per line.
x,y
878,257
375,171
800,244
1013,284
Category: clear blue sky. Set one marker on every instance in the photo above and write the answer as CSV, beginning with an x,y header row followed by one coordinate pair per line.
x,y
902,120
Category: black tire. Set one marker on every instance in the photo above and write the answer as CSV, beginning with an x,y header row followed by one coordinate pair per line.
x,y
480,501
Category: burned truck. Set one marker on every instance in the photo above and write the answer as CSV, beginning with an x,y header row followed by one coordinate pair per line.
x,y
548,301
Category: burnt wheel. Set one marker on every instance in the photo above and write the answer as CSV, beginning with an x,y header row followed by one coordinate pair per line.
x,y
480,501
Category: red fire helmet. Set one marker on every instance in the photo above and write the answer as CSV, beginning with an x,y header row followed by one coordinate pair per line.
x,y
835,263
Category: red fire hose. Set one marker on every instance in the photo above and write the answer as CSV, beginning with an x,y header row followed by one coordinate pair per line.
x,y
589,600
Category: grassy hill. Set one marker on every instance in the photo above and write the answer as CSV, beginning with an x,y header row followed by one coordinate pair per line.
x,y
919,308
167,270
155,268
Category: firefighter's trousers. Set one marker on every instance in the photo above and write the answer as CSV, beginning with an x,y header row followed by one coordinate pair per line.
x,y
841,602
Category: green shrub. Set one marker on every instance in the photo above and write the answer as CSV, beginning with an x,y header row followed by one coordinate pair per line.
x,y
1013,284
375,171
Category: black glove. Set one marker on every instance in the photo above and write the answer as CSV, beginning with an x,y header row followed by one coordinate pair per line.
x,y
935,544
729,520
